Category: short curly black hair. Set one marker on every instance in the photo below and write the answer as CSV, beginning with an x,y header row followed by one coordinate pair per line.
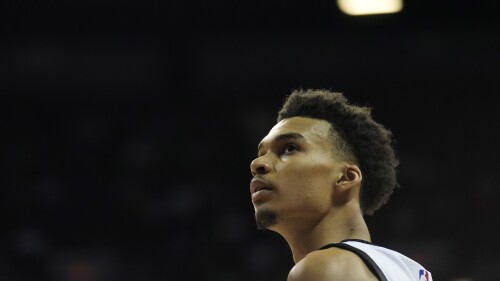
x,y
360,139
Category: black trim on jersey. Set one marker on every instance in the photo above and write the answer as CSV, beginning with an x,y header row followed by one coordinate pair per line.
x,y
364,257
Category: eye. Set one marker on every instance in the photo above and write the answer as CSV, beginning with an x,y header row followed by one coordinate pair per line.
x,y
290,147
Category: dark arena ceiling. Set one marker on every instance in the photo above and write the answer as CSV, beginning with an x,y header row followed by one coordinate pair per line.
x,y
128,128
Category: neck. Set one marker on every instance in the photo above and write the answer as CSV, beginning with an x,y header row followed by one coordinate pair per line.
x,y
337,226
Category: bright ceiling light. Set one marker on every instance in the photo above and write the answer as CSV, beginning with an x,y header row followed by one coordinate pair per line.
x,y
369,7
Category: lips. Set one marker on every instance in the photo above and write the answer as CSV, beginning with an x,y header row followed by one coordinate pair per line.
x,y
257,185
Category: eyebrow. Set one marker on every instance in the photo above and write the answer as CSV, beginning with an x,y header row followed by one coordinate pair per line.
x,y
292,135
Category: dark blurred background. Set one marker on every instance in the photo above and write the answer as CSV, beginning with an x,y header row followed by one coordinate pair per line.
x,y
128,128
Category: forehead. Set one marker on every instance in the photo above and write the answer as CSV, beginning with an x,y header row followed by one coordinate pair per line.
x,y
312,129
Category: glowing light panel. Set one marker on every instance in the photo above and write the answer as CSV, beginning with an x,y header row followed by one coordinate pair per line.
x,y
369,7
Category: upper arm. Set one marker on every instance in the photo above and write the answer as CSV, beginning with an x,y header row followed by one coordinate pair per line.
x,y
331,265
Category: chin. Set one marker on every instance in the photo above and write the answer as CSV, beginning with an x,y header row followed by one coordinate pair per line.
x,y
266,218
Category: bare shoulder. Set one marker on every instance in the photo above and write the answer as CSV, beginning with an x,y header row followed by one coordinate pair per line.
x,y
331,265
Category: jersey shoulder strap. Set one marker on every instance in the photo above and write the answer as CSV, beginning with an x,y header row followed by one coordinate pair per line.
x,y
370,263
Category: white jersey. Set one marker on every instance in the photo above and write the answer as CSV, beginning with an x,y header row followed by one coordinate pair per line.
x,y
386,264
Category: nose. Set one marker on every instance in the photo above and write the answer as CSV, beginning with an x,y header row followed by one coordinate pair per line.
x,y
260,166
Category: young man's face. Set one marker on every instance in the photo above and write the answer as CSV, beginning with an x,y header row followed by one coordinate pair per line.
x,y
294,173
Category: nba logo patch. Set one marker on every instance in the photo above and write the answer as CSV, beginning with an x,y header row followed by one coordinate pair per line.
x,y
423,275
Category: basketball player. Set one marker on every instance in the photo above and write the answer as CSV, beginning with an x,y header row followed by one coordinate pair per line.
x,y
320,169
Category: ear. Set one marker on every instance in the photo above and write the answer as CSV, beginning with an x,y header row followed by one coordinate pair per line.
x,y
350,177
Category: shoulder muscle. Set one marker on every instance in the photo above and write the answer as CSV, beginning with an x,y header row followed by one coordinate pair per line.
x,y
331,265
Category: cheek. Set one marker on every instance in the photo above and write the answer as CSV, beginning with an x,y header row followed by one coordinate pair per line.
x,y
307,189
307,178
310,167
